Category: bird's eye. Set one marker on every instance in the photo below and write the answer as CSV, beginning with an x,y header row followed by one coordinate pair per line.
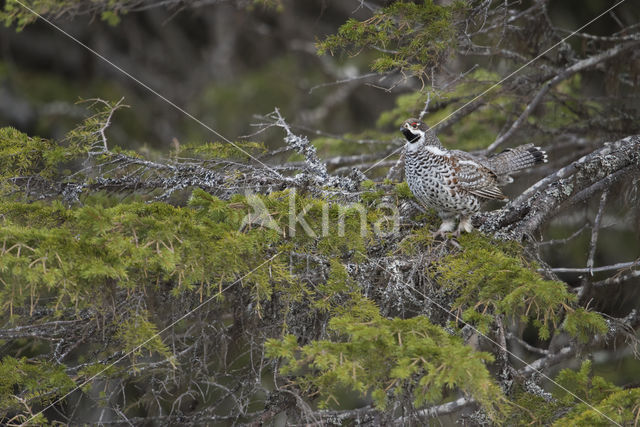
x,y
414,124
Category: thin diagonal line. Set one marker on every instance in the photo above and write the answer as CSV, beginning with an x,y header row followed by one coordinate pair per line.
x,y
147,87
172,324
506,78
441,307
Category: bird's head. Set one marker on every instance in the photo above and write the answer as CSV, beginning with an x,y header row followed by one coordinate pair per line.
x,y
414,130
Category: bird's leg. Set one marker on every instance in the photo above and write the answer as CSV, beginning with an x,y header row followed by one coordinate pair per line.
x,y
448,224
464,225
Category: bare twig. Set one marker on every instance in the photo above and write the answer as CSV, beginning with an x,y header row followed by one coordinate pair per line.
x,y
617,279
586,283
619,266
526,345
436,411
395,171
565,240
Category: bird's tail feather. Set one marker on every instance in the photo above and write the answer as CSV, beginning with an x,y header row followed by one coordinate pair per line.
x,y
514,159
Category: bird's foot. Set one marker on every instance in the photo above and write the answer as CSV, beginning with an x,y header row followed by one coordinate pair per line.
x,y
446,227
464,225
439,234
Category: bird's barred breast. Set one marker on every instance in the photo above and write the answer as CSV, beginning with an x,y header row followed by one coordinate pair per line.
x,y
430,179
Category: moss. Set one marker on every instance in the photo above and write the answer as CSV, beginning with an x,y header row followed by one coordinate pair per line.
x,y
402,191
15,14
331,228
584,324
338,293
622,406
574,398
384,357
136,333
371,194
21,155
531,409
36,214
41,383
417,241
72,252
491,277
582,385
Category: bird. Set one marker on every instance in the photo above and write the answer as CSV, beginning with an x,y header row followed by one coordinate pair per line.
x,y
455,182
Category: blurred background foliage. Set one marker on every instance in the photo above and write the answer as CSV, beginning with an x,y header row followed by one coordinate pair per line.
x,y
224,64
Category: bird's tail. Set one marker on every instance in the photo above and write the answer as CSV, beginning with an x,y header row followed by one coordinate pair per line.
x,y
514,159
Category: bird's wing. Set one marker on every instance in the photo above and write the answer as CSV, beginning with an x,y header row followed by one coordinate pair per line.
x,y
475,178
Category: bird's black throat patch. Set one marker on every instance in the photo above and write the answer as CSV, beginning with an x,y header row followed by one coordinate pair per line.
x,y
411,137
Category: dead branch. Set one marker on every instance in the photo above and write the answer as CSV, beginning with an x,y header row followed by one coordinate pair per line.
x,y
572,184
